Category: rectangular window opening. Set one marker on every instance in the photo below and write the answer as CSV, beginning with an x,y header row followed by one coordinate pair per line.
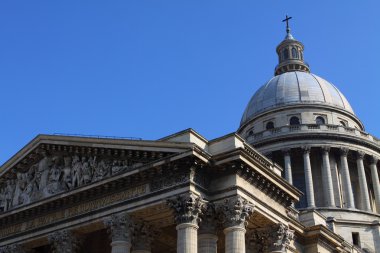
x,y
356,239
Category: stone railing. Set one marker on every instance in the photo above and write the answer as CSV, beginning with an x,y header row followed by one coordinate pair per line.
x,y
307,128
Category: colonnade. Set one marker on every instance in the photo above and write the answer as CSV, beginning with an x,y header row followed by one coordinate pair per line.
x,y
327,180
193,235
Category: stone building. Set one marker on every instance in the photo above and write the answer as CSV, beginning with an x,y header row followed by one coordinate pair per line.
x,y
299,175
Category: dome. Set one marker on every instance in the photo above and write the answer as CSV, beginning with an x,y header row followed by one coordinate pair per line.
x,y
291,88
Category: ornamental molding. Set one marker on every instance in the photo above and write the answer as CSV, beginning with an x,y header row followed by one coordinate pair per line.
x,y
187,208
262,182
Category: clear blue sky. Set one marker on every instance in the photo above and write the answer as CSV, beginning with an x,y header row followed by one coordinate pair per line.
x,y
151,68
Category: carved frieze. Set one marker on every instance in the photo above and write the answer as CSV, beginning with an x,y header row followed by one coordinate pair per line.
x,y
187,208
235,211
56,173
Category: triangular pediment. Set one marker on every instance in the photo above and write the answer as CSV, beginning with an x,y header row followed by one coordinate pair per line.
x,y
50,165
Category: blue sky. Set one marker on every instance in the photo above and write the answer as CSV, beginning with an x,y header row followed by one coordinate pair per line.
x,y
148,69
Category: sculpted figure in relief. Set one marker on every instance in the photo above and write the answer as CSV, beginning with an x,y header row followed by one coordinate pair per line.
x,y
101,170
43,170
86,171
76,172
67,180
54,185
27,195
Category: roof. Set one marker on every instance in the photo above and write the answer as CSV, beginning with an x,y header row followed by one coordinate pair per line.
x,y
294,88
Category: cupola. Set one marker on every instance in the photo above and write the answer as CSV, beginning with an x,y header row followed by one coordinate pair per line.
x,y
290,54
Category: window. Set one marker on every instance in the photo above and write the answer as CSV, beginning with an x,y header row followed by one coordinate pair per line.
x,y
320,120
342,123
355,239
294,53
269,125
294,121
285,53
250,133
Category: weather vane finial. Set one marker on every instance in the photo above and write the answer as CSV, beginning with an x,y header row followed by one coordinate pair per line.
x,y
287,23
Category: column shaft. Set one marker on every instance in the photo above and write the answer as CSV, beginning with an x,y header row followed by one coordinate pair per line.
x,y
375,181
349,196
308,178
363,183
235,240
327,178
207,243
288,167
120,247
187,238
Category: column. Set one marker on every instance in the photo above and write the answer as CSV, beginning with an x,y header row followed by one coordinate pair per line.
x,y
64,241
273,239
142,236
187,209
363,182
119,229
308,177
288,166
327,178
349,196
207,238
235,213
375,181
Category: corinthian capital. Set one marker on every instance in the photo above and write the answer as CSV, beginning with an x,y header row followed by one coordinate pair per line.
x,y
64,241
235,211
275,238
119,227
187,208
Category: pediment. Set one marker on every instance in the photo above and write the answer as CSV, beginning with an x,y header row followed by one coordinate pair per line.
x,y
51,165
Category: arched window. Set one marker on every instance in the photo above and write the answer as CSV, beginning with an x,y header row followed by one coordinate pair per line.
x,y
320,120
269,125
294,53
294,121
285,53
250,133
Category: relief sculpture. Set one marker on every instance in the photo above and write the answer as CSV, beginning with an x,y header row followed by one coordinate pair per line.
x,y
54,174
